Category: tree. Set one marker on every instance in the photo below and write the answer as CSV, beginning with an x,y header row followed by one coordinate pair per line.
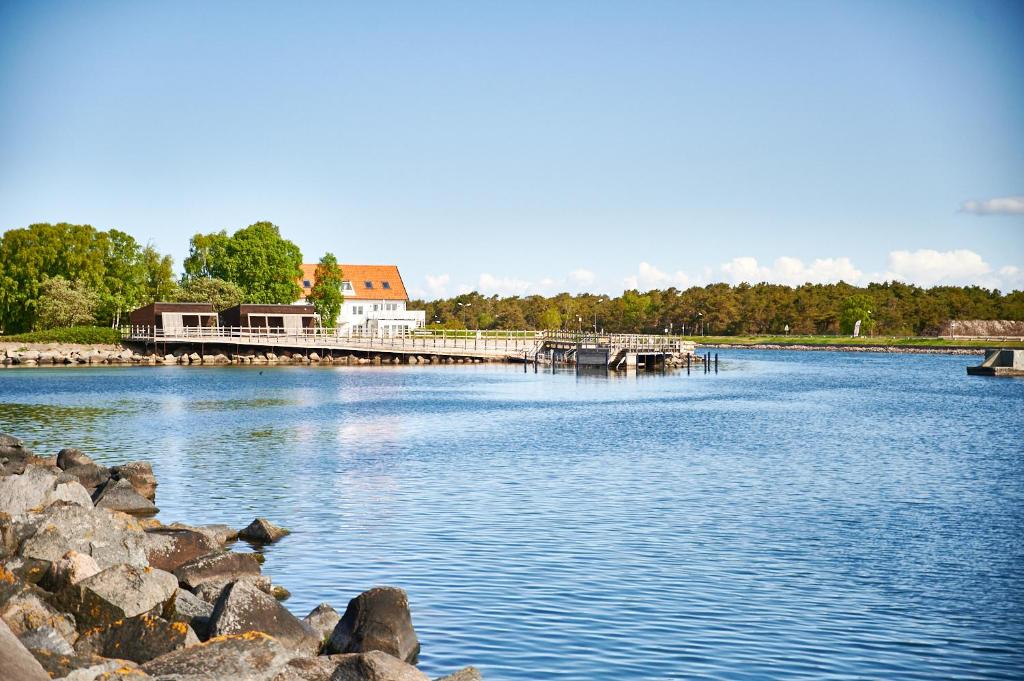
x,y
326,294
219,293
62,304
257,258
856,308
550,319
158,276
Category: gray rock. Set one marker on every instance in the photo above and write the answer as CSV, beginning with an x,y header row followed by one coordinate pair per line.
x,y
8,440
262,531
110,538
140,475
86,667
46,638
72,568
252,657
139,639
243,608
71,456
465,674
374,666
119,592
321,620
194,611
119,495
90,475
168,548
217,567
378,619
16,661
210,591
28,608
222,534
37,488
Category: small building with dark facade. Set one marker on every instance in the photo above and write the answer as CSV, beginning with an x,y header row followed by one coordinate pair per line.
x,y
172,317
274,318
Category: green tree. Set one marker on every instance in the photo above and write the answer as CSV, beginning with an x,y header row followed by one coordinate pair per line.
x,y
550,319
856,308
62,304
219,293
257,258
326,294
158,276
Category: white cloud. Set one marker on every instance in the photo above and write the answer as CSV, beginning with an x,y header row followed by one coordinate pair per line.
x,y
927,267
437,285
648,276
791,271
503,286
582,277
1005,205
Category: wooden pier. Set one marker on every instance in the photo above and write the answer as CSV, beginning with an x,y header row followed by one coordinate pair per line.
x,y
613,351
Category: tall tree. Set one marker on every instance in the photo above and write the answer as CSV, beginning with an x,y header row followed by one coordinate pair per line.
x,y
62,304
159,275
326,294
219,293
257,258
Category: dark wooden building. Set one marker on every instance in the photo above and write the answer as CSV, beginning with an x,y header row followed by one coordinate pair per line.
x,y
174,316
280,318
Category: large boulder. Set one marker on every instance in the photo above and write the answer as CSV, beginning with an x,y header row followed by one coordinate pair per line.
x,y
378,619
374,666
194,611
168,548
252,657
110,538
70,457
48,639
84,667
16,661
28,608
321,620
243,608
90,475
210,591
217,567
119,592
464,674
262,531
140,475
119,495
37,488
139,639
222,534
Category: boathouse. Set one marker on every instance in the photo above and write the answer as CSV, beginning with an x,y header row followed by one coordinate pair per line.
x,y
173,317
275,318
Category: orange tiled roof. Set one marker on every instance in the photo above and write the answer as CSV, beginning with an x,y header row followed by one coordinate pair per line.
x,y
386,281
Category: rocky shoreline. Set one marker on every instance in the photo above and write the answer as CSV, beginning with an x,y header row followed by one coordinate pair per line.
x,y
94,588
891,349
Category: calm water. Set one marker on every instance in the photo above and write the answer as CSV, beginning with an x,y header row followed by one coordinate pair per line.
x,y
816,515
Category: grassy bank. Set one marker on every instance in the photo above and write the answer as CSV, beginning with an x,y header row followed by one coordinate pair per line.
x,y
846,341
83,335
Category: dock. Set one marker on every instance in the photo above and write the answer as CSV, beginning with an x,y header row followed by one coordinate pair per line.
x,y
1000,362
612,351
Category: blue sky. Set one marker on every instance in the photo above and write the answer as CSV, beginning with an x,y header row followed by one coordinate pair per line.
x,y
534,146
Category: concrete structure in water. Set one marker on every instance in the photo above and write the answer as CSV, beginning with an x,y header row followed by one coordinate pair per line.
x,y
1000,362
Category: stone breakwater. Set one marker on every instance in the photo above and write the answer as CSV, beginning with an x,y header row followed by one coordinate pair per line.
x,y
94,588
125,356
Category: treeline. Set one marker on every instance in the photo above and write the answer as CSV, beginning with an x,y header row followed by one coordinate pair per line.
x,y
55,276
890,308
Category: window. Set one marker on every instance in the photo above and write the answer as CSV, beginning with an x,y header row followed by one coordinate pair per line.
x,y
306,283
346,286
386,284
368,284
375,308
357,309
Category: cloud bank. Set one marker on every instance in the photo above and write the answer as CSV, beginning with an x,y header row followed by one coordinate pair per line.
x,y
1006,205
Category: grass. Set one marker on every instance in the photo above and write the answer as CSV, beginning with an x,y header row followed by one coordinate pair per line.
x,y
85,335
891,341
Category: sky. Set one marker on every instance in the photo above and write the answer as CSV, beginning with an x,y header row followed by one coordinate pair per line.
x,y
534,147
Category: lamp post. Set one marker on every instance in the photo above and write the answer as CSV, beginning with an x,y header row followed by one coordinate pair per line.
x,y
700,319
599,301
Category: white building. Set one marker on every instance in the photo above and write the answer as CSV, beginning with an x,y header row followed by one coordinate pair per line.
x,y
375,300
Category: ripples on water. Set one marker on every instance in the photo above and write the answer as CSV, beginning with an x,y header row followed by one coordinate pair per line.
x,y
815,515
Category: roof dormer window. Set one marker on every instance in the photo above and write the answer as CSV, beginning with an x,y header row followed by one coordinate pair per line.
x,y
386,284
306,283
368,284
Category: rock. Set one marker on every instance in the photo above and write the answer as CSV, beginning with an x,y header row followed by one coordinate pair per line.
x,y
38,488
70,457
48,639
110,538
140,475
27,570
8,440
120,495
89,475
195,357
194,611
139,639
374,666
72,568
243,608
314,357
321,620
28,609
317,668
252,657
217,567
377,619
119,592
465,674
16,661
262,531
210,591
222,534
81,667
168,548
280,593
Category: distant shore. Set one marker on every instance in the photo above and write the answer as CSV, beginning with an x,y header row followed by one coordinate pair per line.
x,y
890,349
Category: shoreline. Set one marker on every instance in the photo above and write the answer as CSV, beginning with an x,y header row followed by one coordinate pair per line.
x,y
885,349
92,585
